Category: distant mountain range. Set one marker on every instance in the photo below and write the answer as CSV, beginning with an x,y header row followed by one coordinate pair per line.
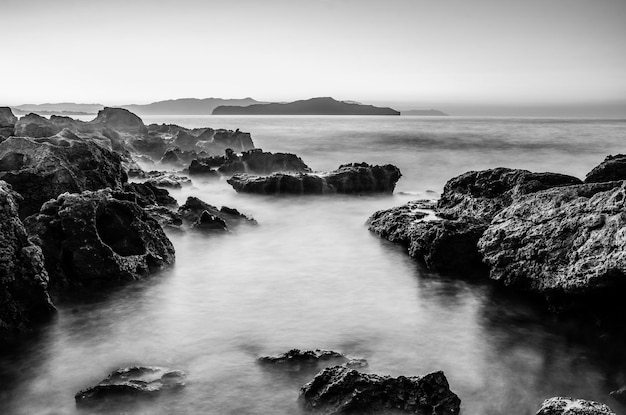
x,y
220,106
427,113
313,106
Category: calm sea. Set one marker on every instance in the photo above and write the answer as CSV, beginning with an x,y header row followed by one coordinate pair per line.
x,y
312,276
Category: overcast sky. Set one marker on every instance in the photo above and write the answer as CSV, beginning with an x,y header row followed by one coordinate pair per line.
x,y
402,52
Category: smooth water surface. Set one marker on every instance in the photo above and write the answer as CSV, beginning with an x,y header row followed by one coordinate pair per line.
x,y
310,275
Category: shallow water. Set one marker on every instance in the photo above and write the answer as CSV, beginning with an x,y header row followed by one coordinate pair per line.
x,y
312,276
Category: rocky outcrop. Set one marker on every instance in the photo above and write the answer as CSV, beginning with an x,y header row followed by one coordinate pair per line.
x,y
222,139
98,239
35,126
611,169
570,406
194,209
120,119
446,239
258,161
562,242
131,383
43,169
340,390
357,178
7,122
296,359
147,194
24,299
171,180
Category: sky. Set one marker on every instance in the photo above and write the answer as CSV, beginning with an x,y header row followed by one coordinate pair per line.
x,y
457,55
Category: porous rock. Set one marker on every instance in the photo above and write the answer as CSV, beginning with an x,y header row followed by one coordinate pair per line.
x,y
340,390
611,169
570,406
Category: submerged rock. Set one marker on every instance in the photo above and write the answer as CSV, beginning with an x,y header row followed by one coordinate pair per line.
x,y
570,406
296,358
41,170
96,239
24,299
611,169
356,178
340,390
562,242
132,382
194,208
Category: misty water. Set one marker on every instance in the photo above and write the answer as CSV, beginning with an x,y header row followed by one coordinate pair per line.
x,y
312,276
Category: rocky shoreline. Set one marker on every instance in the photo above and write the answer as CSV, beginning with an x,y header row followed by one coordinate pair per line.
x,y
71,222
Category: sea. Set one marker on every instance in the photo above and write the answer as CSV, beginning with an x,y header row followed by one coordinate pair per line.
x,y
311,275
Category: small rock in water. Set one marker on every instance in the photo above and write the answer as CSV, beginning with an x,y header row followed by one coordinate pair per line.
x,y
132,382
210,222
296,358
340,390
570,406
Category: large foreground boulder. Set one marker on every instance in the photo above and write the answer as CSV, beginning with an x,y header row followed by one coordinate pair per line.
x,y
98,239
570,406
24,299
340,390
131,383
356,178
45,168
611,169
565,241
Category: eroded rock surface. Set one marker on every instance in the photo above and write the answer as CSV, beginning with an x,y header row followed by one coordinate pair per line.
x,y
24,299
132,383
194,209
98,239
340,390
570,406
611,169
295,359
7,122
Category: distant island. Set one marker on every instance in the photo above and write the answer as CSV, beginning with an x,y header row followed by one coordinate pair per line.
x,y
186,106
313,106
424,113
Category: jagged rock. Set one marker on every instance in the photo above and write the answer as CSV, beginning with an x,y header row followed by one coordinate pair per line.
x,y
611,169
148,194
43,169
151,145
570,406
176,158
166,217
203,167
296,359
96,239
24,299
562,242
132,383
356,178
215,142
259,162
185,141
35,126
194,208
207,221
480,195
7,122
340,390
120,119
170,180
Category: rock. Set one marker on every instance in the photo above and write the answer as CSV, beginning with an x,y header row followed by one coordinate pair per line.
x,y
176,158
43,169
120,119
170,180
148,194
395,224
223,139
132,383
340,390
151,145
185,141
295,359
259,162
611,169
24,299
562,242
480,195
7,119
569,406
207,221
165,217
194,209
203,167
355,178
98,239
35,126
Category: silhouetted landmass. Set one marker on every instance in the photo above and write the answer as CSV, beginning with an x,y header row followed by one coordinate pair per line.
x,y
39,112
426,113
313,106
186,106
59,108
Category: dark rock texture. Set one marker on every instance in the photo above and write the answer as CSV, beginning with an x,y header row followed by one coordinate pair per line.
x,y
570,406
132,383
340,390
24,299
356,178
611,169
171,180
148,194
7,122
194,208
43,169
296,358
121,120
35,126
98,239
258,161
562,241
619,395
